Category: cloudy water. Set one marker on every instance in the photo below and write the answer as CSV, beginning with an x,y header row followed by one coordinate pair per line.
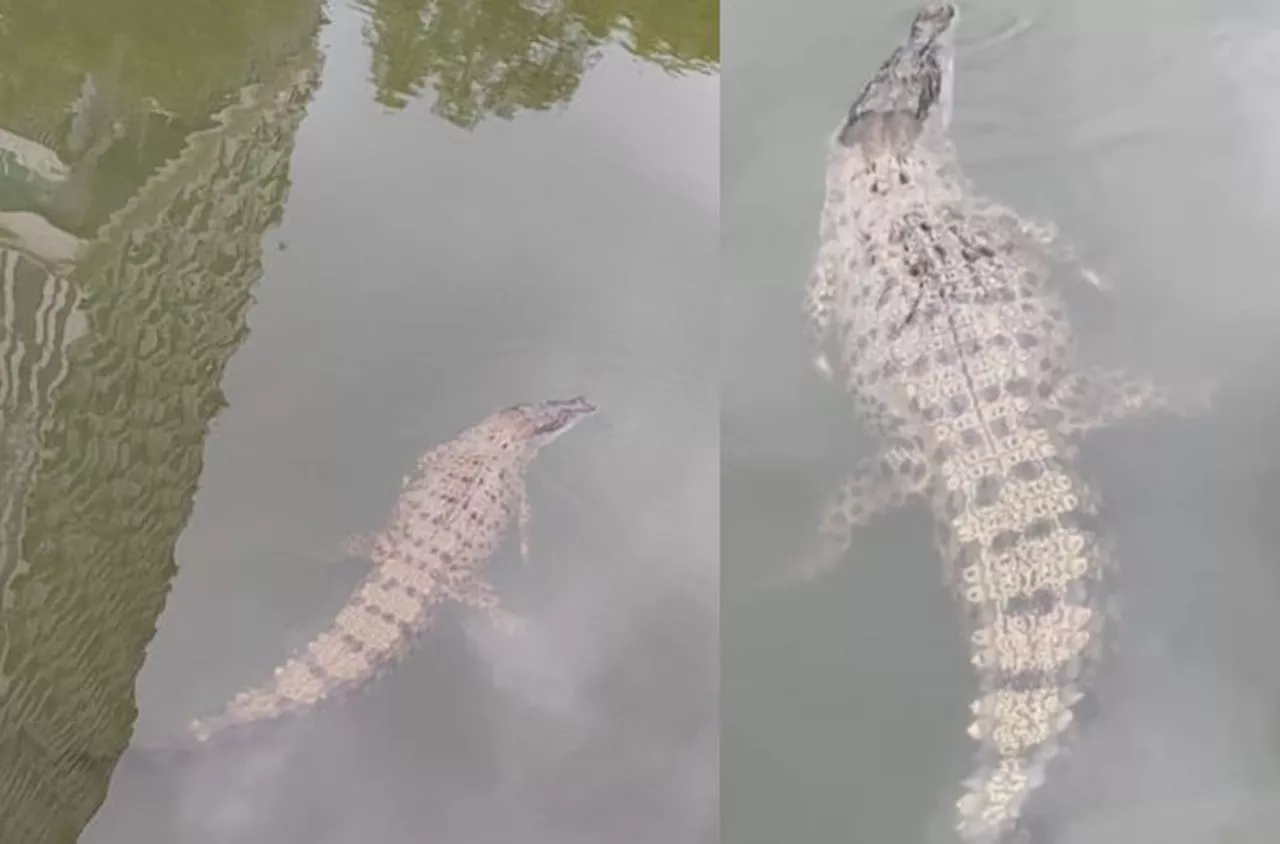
x,y
1147,131
257,257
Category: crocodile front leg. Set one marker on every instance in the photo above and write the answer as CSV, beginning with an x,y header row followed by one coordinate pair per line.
x,y
820,294
876,486
1045,236
524,520
1087,401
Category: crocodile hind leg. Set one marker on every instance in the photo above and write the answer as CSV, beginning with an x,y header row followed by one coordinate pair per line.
x,y
876,486
473,592
359,546
1094,399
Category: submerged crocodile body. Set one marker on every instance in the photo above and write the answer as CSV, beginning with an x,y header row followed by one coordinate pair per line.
x,y
452,514
959,358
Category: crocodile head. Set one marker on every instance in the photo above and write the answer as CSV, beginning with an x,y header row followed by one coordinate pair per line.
x,y
911,93
549,419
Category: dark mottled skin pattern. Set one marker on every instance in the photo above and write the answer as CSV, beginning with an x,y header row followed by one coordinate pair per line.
x,y
958,355
452,514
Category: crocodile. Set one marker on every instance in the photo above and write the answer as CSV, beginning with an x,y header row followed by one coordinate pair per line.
x,y
454,509
956,349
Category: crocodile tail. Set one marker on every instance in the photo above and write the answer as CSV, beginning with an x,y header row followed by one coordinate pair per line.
x,y
219,736
1038,656
157,759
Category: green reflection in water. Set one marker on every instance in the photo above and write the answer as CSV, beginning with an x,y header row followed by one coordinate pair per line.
x,y
497,57
113,350
158,55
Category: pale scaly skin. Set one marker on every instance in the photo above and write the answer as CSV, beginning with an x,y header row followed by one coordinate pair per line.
x,y
959,357
452,514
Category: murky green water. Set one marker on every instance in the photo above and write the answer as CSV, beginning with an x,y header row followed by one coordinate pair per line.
x,y
255,261
1147,133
